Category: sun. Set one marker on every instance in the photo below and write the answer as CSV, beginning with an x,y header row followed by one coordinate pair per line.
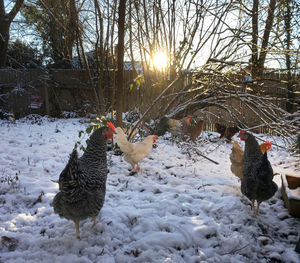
x,y
160,60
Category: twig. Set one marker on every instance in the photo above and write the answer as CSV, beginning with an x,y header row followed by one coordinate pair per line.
x,y
264,140
39,199
154,102
263,235
177,96
231,63
199,153
52,15
235,250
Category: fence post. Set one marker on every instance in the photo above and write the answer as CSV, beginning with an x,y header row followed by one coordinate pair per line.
x,y
47,100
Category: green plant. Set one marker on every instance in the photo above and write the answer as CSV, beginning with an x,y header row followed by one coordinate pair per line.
x,y
137,82
94,124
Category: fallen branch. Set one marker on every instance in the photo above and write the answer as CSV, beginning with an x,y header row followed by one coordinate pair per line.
x,y
154,102
201,154
39,199
235,250
263,235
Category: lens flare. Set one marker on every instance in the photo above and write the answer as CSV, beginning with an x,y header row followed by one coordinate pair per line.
x,y
160,60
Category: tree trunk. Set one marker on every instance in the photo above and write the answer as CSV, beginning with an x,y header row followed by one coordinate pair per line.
x,y
100,54
4,36
5,22
258,57
71,34
287,24
120,59
254,48
265,40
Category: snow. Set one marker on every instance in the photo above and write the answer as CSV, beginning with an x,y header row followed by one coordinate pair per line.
x,y
291,193
180,208
295,193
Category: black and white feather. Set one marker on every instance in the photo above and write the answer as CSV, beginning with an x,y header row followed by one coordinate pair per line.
x,y
82,183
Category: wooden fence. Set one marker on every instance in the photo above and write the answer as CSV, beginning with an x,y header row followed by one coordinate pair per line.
x,y
67,90
70,90
59,90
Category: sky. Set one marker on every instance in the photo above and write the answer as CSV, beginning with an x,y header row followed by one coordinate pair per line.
x,y
179,208
27,35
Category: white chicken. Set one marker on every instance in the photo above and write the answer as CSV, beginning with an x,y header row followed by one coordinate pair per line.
x,y
134,152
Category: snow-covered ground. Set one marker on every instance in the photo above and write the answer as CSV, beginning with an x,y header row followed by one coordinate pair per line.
x,y
180,208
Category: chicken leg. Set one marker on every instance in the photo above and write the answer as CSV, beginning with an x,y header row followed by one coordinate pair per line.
x,y
95,221
258,203
135,168
138,168
252,204
77,229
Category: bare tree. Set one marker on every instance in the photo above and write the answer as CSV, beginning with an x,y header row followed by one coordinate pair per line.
x,y
5,21
210,40
100,54
120,61
258,57
188,31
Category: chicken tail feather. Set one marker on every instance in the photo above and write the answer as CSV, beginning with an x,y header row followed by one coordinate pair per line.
x,y
69,176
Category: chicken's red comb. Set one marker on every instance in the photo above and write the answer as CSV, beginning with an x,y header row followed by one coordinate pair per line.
x,y
241,132
110,125
269,144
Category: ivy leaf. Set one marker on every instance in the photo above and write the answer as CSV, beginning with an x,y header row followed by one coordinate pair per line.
x,y
82,148
89,129
130,86
80,133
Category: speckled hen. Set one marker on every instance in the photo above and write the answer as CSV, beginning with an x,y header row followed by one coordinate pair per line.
x,y
82,183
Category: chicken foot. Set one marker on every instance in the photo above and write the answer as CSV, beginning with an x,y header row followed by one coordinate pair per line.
x,y
135,168
77,229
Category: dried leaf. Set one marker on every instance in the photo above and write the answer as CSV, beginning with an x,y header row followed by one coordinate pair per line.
x,y
9,242
39,199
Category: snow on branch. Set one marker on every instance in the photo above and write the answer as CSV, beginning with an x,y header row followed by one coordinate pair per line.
x,y
249,105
